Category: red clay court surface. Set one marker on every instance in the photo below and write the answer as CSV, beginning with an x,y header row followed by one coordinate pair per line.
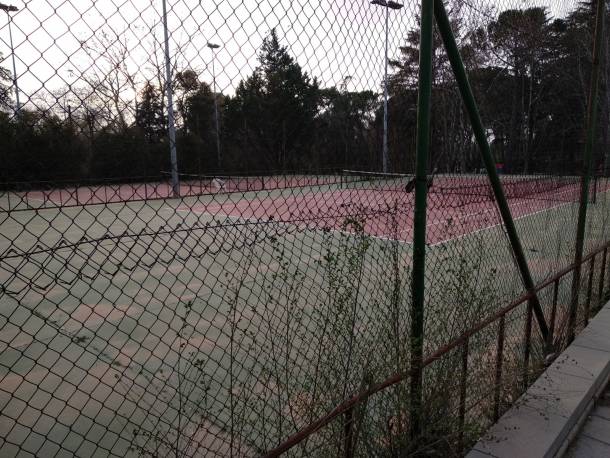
x,y
133,192
449,217
386,213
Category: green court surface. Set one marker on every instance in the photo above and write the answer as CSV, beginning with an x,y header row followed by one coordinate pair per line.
x,y
110,312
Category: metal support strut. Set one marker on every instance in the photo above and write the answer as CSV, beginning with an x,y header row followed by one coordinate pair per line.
x,y
459,71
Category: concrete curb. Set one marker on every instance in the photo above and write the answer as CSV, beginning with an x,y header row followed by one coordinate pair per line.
x,y
544,420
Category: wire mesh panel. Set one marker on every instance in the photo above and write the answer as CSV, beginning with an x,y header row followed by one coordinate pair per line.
x,y
207,223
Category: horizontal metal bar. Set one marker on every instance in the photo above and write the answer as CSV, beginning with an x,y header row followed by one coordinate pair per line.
x,y
401,376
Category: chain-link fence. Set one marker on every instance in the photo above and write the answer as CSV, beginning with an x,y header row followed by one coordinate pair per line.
x,y
207,223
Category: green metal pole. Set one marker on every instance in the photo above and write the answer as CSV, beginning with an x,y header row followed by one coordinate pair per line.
x,y
584,183
459,71
419,218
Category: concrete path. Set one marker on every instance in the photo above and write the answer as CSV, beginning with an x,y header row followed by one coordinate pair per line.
x,y
567,410
593,441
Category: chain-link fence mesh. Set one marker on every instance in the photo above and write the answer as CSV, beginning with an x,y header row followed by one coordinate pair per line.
x,y
255,295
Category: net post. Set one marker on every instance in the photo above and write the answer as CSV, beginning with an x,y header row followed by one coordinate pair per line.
x,y
453,53
419,218
588,155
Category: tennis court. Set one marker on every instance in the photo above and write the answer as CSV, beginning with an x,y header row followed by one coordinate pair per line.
x,y
108,300
464,202
459,206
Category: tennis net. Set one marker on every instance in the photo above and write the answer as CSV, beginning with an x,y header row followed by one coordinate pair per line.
x,y
375,180
192,184
539,187
468,189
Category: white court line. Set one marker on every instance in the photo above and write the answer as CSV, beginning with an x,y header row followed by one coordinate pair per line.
x,y
259,221
491,209
501,223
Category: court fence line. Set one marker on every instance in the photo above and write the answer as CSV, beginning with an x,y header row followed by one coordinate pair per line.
x,y
249,283
554,347
172,237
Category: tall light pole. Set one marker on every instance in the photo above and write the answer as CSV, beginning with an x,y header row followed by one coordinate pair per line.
x,y
10,9
388,5
213,47
170,108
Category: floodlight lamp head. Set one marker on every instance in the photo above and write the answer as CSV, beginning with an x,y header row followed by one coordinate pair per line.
x,y
8,8
388,4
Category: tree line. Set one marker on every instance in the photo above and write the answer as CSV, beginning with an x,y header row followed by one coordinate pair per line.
x,y
530,74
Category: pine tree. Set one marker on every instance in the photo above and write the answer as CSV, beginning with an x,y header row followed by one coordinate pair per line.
x,y
274,110
5,88
149,113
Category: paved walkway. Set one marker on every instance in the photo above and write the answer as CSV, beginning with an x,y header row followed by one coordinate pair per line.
x,y
546,421
593,440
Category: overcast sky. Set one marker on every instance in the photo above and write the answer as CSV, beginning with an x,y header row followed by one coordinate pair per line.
x,y
57,41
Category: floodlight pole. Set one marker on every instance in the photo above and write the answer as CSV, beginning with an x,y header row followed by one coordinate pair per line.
x,y
170,107
213,46
395,6
9,9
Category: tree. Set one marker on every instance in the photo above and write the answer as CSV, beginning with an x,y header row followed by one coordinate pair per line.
x,y
520,68
198,109
343,126
110,77
5,87
40,147
274,109
520,40
451,139
185,83
149,113
199,132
